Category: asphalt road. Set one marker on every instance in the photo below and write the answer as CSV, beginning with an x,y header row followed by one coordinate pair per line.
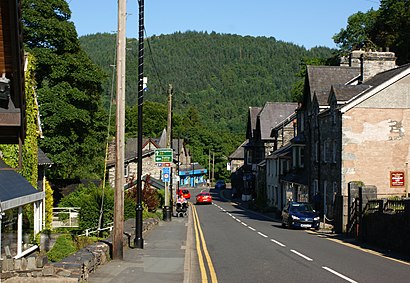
x,y
247,247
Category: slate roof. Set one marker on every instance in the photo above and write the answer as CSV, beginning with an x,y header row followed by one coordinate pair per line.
x,y
43,159
130,152
321,78
272,114
15,190
252,117
239,153
386,75
347,92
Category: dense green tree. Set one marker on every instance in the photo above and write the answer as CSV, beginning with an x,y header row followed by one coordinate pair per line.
x,y
387,27
392,28
68,89
357,33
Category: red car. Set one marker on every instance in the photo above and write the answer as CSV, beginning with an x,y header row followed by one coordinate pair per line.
x,y
204,197
185,193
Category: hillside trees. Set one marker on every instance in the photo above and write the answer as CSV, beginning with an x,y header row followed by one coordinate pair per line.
x,y
221,74
68,89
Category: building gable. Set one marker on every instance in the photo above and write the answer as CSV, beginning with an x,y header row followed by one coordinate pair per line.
x,y
393,92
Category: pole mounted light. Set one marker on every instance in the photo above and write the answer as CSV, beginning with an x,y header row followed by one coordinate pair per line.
x,y
139,241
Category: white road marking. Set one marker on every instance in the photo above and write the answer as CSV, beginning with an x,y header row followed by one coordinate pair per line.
x,y
233,217
263,235
301,255
229,214
238,220
244,224
278,243
338,274
253,229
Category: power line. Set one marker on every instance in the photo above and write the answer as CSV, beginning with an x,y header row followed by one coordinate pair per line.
x,y
153,63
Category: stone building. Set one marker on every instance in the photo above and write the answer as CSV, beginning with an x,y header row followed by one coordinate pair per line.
x,y
360,135
279,163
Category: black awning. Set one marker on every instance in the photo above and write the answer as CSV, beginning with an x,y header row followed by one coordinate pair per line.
x,y
299,178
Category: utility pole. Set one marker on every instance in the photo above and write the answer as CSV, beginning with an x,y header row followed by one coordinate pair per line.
x,y
209,167
139,241
169,120
168,195
118,252
213,167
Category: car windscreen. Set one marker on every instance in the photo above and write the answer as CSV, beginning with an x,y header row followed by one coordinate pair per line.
x,y
301,207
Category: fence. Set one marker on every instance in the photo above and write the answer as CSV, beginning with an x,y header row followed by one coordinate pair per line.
x,y
89,231
387,206
65,217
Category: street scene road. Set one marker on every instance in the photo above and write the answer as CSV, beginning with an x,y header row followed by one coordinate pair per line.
x,y
245,246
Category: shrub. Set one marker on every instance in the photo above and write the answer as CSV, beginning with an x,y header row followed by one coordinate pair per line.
x,y
63,247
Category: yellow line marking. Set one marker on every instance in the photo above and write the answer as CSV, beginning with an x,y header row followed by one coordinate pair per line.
x,y
214,279
198,248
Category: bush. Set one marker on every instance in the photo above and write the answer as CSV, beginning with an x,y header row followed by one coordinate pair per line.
x,y
63,247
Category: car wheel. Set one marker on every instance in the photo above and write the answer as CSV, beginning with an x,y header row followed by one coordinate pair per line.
x,y
290,224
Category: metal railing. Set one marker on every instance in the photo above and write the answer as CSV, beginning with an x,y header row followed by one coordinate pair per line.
x,y
89,231
385,206
65,217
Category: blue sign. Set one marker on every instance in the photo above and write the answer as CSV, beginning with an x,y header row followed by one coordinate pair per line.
x,y
166,174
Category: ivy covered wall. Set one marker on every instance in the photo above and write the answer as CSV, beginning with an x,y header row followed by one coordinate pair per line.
x,y
10,152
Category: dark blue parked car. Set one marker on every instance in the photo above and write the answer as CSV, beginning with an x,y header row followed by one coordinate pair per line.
x,y
300,215
220,184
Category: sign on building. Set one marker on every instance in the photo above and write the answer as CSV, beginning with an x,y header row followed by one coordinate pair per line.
x,y
397,179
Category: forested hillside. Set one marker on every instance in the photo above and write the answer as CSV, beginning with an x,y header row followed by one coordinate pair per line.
x,y
219,74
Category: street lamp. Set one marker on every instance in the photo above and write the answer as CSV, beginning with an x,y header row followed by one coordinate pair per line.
x,y
139,241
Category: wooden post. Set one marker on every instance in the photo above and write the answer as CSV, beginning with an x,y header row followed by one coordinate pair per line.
x,y
117,248
213,167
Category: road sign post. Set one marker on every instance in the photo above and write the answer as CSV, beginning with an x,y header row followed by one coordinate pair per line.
x,y
164,156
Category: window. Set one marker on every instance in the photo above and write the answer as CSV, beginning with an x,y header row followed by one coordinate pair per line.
x,y
315,186
325,149
249,157
126,170
301,157
334,146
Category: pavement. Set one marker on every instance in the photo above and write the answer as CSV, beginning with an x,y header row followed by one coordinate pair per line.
x,y
168,255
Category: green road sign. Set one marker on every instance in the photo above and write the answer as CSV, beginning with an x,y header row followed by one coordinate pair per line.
x,y
163,155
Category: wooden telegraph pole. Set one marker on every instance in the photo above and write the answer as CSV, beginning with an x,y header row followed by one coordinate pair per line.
x,y
168,185
119,140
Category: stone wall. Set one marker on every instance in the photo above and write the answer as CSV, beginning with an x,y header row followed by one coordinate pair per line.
x,y
74,268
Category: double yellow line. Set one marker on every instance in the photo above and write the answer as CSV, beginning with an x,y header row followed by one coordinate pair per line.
x,y
199,239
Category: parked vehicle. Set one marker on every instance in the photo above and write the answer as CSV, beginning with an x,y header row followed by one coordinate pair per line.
x,y
185,193
203,197
220,184
300,215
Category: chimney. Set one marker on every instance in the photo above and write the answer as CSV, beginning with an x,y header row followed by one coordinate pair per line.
x,y
372,62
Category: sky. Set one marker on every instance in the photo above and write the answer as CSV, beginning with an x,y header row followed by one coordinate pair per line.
x,y
307,23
